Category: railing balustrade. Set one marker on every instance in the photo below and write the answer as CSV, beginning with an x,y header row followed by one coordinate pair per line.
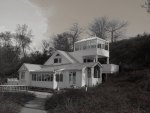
x,y
13,88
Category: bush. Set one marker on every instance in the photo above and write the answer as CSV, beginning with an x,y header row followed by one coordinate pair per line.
x,y
11,102
9,107
120,94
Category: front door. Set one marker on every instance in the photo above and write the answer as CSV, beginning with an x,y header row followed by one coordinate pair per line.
x,y
72,78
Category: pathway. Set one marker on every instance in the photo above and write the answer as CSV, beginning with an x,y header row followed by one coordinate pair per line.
x,y
36,105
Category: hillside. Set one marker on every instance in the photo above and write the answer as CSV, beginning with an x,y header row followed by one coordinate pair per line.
x,y
127,92
131,53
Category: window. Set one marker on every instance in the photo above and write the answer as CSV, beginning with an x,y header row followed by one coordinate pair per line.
x,y
72,77
59,77
86,60
42,77
33,77
106,47
22,75
57,60
89,60
97,72
89,44
93,43
99,45
103,46
49,77
39,77
84,45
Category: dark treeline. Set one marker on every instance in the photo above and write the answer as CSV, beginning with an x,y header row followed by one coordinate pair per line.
x,y
13,51
131,54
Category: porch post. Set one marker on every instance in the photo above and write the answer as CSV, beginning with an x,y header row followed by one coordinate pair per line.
x,y
54,81
107,60
96,58
92,76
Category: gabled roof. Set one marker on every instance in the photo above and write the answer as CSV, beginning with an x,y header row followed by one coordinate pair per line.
x,y
32,67
68,56
75,66
92,64
65,54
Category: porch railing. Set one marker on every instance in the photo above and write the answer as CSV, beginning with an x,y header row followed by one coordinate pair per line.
x,y
13,88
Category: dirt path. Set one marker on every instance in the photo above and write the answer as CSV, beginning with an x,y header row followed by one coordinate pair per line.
x,y
36,105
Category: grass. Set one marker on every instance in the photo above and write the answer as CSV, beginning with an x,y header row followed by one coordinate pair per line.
x,y
39,89
11,102
125,93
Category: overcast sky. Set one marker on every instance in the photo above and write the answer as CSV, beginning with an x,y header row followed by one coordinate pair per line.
x,y
49,17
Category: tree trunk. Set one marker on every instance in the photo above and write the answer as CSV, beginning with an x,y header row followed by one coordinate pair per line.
x,y
112,36
24,54
73,43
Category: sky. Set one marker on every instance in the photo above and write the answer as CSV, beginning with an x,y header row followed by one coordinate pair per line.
x,y
50,17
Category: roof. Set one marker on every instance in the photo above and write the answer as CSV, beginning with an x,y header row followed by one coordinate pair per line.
x,y
68,56
86,39
32,67
76,66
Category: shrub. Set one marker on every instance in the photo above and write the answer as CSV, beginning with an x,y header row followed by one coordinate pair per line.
x,y
11,102
120,94
9,107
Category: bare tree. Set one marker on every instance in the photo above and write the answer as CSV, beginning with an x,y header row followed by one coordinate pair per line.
x,y
75,32
98,27
115,28
105,28
23,37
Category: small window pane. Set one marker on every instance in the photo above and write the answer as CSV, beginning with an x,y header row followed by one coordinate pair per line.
x,y
59,60
55,60
51,77
22,75
61,77
57,77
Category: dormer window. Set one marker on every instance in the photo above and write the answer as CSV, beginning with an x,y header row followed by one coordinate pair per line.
x,y
57,60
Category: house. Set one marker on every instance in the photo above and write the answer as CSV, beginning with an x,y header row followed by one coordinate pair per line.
x,y
87,65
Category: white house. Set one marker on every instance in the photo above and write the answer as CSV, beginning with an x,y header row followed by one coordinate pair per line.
x,y
87,65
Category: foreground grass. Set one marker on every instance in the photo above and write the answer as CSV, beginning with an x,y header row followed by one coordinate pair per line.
x,y
11,102
126,93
